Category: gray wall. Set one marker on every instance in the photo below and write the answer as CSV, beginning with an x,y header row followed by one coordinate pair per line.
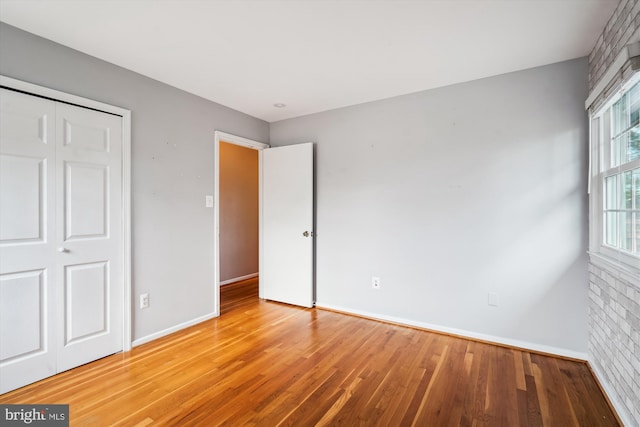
x,y
172,170
452,193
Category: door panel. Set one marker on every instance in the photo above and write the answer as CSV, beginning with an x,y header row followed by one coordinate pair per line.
x,y
87,302
90,295
26,122
86,190
286,272
27,239
24,290
80,133
23,181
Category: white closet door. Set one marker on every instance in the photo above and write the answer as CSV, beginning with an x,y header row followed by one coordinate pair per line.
x,y
27,239
89,235
61,228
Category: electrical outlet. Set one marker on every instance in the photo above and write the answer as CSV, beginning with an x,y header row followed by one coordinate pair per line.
x,y
375,282
144,300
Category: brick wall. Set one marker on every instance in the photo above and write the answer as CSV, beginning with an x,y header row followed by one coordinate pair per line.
x,y
621,26
614,336
614,302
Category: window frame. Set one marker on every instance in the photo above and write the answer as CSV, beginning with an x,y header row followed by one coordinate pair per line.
x,y
599,158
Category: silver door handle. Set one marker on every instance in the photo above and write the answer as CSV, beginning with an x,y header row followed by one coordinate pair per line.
x,y
307,234
63,250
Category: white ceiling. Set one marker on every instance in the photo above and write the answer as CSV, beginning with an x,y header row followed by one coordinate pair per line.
x,y
316,55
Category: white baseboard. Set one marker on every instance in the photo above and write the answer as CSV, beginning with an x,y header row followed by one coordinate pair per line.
x,y
462,333
237,279
186,324
619,408
173,329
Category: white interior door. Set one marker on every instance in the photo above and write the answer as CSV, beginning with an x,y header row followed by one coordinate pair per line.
x,y
286,269
27,239
89,227
61,260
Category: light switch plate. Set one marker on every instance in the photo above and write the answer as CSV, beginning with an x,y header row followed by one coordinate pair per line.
x,y
208,201
493,299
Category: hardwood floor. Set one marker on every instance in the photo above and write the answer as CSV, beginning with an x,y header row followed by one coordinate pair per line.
x,y
238,296
269,364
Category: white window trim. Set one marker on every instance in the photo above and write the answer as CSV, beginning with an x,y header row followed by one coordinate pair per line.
x,y
619,263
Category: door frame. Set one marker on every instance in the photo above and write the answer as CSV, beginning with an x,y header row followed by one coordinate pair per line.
x,y
219,137
55,95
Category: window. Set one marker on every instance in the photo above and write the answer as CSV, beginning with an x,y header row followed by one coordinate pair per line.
x,y
615,198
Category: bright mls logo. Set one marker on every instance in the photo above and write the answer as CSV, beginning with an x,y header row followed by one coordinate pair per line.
x,y
37,415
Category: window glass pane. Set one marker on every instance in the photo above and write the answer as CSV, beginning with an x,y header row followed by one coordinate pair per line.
x,y
636,188
605,148
626,230
620,115
619,149
611,229
633,148
611,192
636,240
627,199
634,105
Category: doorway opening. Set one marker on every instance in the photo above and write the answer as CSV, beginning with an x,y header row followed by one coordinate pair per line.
x,y
237,220
238,237
285,221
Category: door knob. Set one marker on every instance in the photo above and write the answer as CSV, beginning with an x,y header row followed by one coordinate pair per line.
x,y
63,250
307,234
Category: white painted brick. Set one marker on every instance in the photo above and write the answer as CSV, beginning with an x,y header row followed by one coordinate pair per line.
x,y
611,22
614,343
618,368
628,402
621,311
625,370
630,293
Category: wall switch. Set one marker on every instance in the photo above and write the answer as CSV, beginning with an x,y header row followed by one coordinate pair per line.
x,y
493,299
375,282
144,300
208,201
